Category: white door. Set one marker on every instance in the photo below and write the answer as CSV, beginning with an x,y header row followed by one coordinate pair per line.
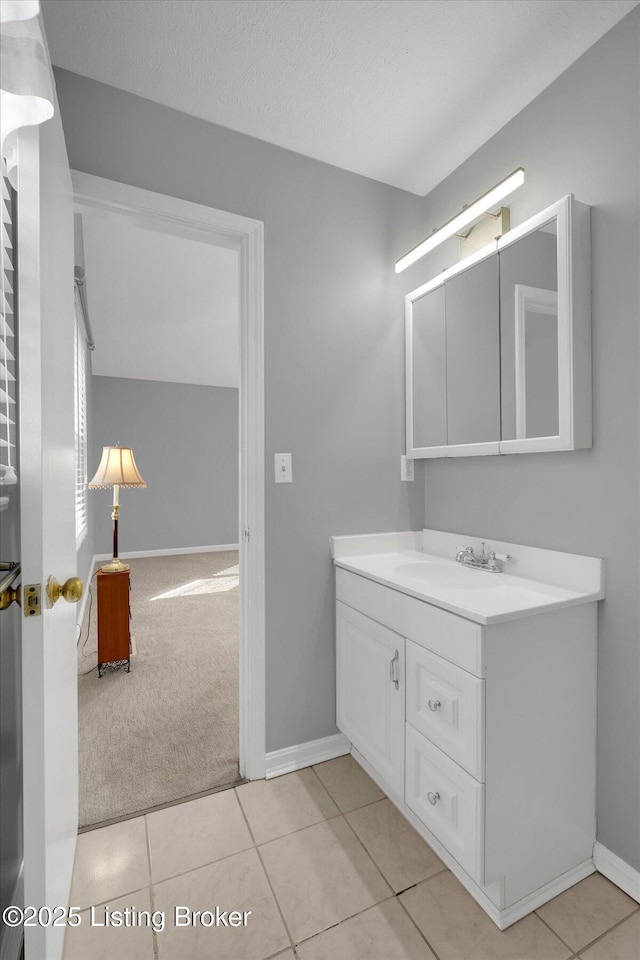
x,y
370,692
45,323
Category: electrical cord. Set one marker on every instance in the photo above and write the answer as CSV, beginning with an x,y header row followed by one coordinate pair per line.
x,y
86,639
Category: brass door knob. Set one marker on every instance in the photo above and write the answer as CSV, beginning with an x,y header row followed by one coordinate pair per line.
x,y
72,590
9,595
9,573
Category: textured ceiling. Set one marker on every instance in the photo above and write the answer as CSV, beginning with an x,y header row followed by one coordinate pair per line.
x,y
148,290
398,90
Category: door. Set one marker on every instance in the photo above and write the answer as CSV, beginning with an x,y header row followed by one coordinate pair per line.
x,y
47,524
370,692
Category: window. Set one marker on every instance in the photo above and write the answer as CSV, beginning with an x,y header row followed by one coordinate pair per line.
x,y
80,422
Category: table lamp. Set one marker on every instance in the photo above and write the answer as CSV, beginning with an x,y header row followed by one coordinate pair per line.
x,y
117,469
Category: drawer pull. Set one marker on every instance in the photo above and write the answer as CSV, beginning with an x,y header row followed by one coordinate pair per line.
x,y
433,798
434,704
393,673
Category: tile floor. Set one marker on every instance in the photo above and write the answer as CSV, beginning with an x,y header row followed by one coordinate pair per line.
x,y
329,870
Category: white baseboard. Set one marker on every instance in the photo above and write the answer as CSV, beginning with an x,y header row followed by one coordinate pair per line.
x,y
617,870
168,552
542,895
305,754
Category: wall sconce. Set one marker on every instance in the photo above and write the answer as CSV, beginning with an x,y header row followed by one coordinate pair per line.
x,y
463,219
117,469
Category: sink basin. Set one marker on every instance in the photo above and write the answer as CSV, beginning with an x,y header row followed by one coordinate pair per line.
x,y
448,576
424,568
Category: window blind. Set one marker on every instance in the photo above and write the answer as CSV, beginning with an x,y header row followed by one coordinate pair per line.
x,y
8,475
80,421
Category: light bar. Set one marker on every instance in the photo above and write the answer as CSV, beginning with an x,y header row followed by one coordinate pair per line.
x,y
464,218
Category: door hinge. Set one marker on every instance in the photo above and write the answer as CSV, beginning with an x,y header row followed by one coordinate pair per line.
x,y
31,600
246,534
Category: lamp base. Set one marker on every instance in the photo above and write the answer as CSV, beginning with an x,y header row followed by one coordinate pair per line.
x,y
115,566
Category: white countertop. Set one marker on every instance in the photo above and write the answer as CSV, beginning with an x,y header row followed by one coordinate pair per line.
x,y
398,561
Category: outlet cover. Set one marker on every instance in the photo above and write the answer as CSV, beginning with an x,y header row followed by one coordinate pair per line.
x,y
406,468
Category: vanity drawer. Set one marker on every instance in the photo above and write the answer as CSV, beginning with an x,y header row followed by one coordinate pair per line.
x,y
450,636
446,704
449,802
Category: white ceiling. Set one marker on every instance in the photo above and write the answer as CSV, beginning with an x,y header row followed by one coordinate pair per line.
x,y
161,307
398,90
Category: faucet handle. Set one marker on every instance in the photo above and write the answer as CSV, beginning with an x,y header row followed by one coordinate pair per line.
x,y
503,557
462,549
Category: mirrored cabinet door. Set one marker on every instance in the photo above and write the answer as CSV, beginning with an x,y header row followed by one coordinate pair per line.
x,y
545,331
473,354
529,335
453,364
429,370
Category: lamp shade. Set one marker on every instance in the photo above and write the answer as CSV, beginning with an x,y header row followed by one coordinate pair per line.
x,y
117,466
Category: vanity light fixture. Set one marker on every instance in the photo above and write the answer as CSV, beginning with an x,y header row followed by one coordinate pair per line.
x,y
461,220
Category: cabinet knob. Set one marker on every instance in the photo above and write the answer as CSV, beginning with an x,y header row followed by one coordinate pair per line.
x,y
434,704
433,798
71,590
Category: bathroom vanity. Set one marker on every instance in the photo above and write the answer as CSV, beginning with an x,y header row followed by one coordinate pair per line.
x,y
470,697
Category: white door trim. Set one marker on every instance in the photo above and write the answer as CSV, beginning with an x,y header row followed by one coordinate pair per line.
x,y
195,221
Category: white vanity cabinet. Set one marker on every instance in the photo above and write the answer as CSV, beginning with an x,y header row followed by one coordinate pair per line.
x,y
482,734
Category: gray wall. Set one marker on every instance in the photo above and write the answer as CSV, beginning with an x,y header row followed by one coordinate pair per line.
x,y
334,347
580,136
185,441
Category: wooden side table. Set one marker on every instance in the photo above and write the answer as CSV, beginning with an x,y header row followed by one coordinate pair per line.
x,y
114,637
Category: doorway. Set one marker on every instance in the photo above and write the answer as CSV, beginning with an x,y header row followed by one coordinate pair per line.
x,y
182,219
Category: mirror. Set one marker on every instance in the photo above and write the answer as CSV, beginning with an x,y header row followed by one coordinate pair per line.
x,y
455,360
529,335
498,353
429,370
536,362
473,354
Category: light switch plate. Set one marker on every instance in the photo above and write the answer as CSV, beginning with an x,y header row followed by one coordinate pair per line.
x,y
406,468
283,468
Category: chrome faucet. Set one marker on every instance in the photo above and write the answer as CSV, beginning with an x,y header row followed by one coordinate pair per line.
x,y
491,561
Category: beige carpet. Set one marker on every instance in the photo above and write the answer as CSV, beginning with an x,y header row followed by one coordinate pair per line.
x,y
169,728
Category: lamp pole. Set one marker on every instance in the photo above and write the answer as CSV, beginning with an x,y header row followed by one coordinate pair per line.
x,y
115,516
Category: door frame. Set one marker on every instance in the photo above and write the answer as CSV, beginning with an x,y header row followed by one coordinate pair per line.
x,y
194,221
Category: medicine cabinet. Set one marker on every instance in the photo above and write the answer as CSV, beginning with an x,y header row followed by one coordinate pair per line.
x,y
498,347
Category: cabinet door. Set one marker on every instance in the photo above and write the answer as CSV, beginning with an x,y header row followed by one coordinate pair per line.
x,y
429,370
473,354
529,335
370,692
